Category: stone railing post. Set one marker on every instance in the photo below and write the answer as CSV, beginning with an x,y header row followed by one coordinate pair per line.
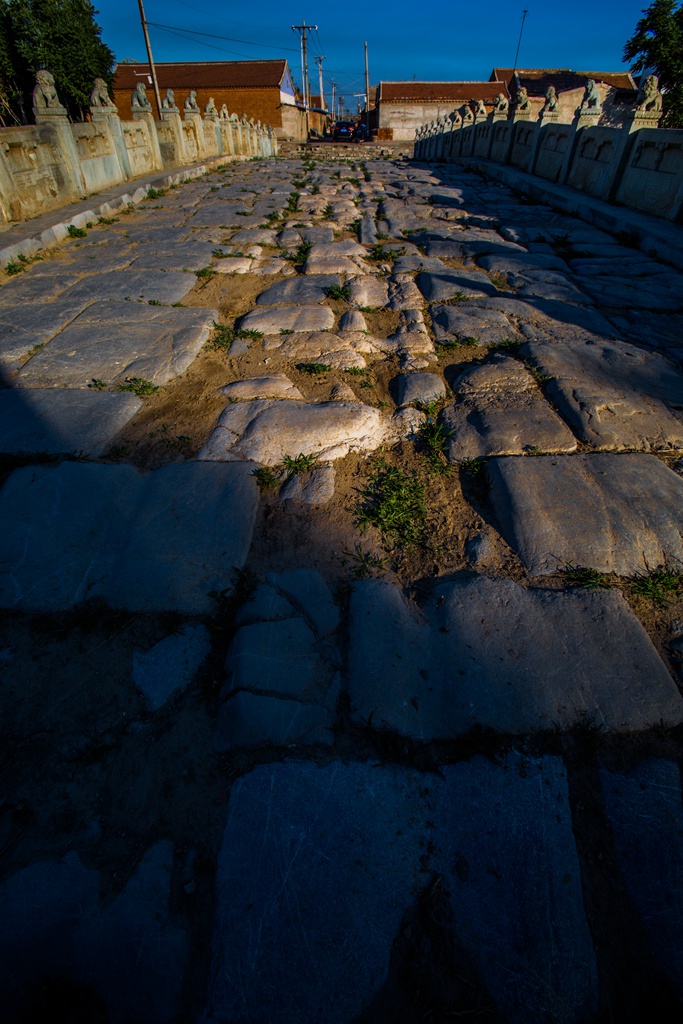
x,y
104,114
148,117
53,124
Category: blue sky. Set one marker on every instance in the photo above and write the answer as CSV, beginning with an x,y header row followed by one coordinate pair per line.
x,y
434,41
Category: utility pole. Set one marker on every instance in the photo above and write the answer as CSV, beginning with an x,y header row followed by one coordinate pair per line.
x,y
334,101
367,81
524,14
152,68
303,31
319,62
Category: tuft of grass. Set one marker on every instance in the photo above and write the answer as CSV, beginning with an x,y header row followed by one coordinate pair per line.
x,y
223,336
97,384
314,368
356,371
219,254
293,202
154,302
265,478
328,212
379,254
107,220
74,232
301,464
394,503
660,585
511,345
365,563
500,282
339,291
434,441
176,442
583,576
206,272
286,330
139,386
21,262
155,193
540,377
315,189
473,467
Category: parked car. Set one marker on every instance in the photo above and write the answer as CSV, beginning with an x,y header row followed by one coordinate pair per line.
x,y
343,131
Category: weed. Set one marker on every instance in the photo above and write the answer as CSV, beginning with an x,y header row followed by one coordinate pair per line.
x,y
339,291
473,467
176,442
500,282
219,254
214,188
272,217
367,309
107,220
367,384
582,576
454,299
119,451
328,212
314,367
447,347
74,232
298,183
97,384
223,336
155,193
533,449
430,408
354,181
265,478
435,441
380,255
469,342
540,377
301,464
293,202
286,330
511,345
356,371
365,562
15,266
660,584
138,385
301,254
315,189
393,502
206,272
154,302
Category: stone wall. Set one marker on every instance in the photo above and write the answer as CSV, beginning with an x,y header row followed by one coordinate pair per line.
x,y
54,162
637,165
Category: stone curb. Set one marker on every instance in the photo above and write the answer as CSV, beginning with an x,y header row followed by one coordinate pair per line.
x,y
661,239
58,232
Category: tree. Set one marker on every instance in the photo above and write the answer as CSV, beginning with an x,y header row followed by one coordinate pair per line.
x,y
59,35
658,44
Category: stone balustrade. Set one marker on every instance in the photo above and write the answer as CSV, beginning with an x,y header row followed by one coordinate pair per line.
x,y
638,165
54,162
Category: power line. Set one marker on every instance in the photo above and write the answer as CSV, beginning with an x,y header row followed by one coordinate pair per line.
x,y
200,42
229,39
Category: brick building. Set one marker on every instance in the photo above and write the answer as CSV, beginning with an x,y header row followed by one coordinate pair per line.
x,y
404,106
617,89
262,89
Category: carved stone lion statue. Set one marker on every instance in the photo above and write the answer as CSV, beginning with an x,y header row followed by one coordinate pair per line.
x,y
191,101
591,97
550,104
522,101
455,117
99,97
478,108
224,113
649,99
44,93
210,107
466,113
501,104
138,99
168,102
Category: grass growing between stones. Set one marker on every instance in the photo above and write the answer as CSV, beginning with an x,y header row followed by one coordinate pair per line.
x,y
433,441
300,464
363,563
16,266
394,503
339,291
660,585
265,478
223,337
314,368
583,576
138,386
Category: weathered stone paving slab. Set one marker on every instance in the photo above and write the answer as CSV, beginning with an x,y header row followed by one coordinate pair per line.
x,y
341,860
614,394
471,283
27,327
466,321
419,388
170,665
300,291
285,318
186,256
645,811
499,410
277,385
41,288
56,421
131,953
267,431
486,652
160,541
149,285
615,513
110,341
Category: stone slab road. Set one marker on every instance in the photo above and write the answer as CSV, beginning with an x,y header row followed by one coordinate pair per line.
x,y
266,762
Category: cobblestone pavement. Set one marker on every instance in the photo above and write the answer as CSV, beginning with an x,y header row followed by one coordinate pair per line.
x,y
342,649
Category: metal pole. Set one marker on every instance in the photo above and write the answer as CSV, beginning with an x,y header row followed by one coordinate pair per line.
x,y
152,68
319,62
524,14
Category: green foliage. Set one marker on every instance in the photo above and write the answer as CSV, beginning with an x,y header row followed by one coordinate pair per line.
x,y
15,266
328,212
293,202
301,464
97,384
155,193
139,386
314,368
339,291
659,585
393,502
59,35
205,272
356,371
74,232
381,255
658,43
434,441
223,337
364,562
582,576
265,478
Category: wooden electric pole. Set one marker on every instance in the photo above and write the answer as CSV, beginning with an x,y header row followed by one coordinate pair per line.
x,y
152,68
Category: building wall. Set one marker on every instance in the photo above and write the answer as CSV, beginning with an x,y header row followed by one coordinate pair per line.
x,y
264,105
402,119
